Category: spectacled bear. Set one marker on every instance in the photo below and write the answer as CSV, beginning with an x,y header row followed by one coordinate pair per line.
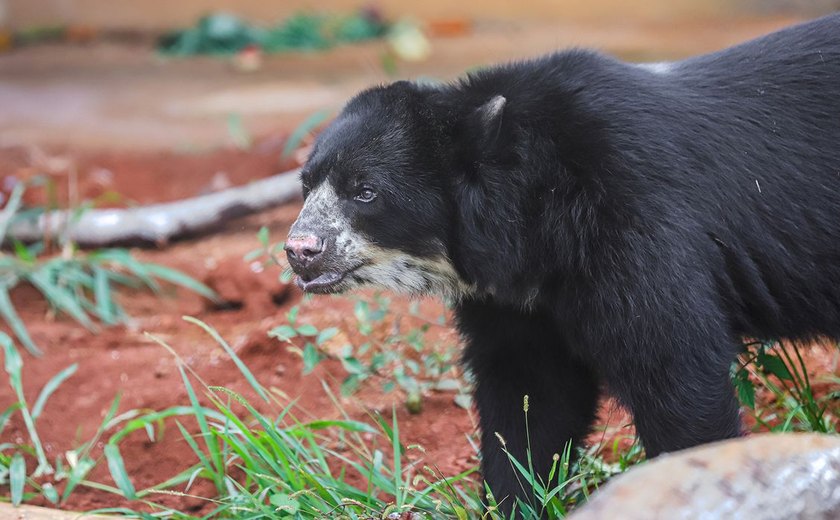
x,y
598,226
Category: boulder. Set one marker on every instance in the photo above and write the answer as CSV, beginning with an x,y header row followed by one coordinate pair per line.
x,y
761,477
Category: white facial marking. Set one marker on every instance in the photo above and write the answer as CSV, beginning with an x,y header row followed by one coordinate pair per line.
x,y
406,274
322,204
372,264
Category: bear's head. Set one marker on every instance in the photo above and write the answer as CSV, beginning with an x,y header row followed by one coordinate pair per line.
x,y
379,194
389,199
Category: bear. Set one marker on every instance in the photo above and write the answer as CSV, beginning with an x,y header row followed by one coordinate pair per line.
x,y
599,227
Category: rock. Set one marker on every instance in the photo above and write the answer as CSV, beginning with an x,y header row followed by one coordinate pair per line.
x,y
762,477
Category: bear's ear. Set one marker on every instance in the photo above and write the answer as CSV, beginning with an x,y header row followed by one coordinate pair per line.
x,y
487,120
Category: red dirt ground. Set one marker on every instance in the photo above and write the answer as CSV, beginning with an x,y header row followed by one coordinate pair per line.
x,y
122,360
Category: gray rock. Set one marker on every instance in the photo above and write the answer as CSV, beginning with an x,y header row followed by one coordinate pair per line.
x,y
762,477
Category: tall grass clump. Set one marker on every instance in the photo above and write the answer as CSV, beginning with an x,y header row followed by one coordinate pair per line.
x,y
568,484
68,470
80,285
274,465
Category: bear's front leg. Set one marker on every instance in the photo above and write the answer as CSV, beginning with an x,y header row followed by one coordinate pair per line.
x,y
512,354
670,366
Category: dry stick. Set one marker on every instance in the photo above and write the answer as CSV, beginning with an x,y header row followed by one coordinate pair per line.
x,y
157,223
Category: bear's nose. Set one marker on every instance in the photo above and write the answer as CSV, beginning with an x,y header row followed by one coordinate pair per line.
x,y
303,249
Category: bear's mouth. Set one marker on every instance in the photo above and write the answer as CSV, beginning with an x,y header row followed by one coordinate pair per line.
x,y
328,282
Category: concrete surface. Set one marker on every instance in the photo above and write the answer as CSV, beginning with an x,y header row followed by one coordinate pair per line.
x,y
160,14
108,95
9,512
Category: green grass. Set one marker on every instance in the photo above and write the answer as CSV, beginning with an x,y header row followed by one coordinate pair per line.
x,y
407,356
16,459
224,34
779,370
262,460
275,464
80,285
271,463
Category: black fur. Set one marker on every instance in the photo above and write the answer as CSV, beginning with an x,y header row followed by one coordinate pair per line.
x,y
622,228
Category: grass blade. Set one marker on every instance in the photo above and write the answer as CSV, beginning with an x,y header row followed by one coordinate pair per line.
x,y
123,258
7,310
7,413
102,295
239,364
178,278
218,468
51,386
85,463
61,298
395,442
116,466
13,365
17,477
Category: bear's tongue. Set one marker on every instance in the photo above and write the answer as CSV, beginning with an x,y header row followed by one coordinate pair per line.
x,y
323,281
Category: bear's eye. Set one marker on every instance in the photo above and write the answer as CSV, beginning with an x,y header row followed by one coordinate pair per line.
x,y
305,184
366,194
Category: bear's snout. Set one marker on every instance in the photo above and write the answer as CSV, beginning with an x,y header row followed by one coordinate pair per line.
x,y
302,250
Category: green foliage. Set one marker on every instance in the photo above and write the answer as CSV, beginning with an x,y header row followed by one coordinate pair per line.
x,y
270,254
13,365
270,464
779,369
14,467
384,352
274,465
80,285
568,484
223,33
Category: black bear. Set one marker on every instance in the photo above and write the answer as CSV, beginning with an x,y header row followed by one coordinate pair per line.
x,y
599,226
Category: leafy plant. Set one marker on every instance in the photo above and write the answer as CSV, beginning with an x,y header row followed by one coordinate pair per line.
x,y
223,34
80,285
71,469
13,471
383,352
270,254
780,369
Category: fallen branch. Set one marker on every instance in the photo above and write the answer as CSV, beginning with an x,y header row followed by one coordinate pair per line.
x,y
157,223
